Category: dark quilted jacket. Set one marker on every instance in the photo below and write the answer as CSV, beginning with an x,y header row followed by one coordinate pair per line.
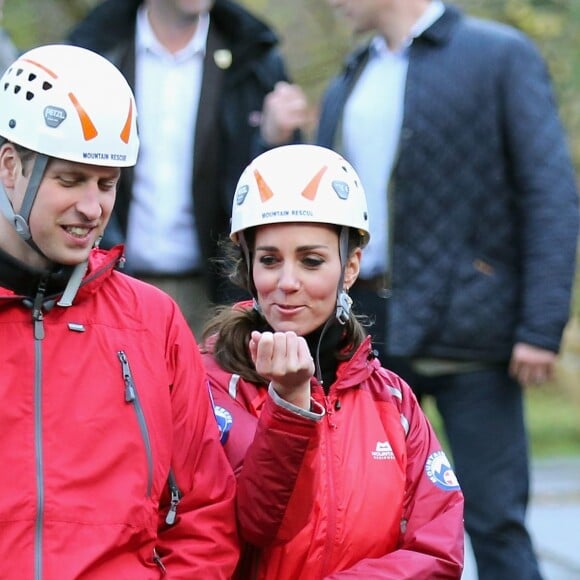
x,y
227,134
483,195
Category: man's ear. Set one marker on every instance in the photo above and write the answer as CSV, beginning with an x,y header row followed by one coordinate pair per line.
x,y
10,166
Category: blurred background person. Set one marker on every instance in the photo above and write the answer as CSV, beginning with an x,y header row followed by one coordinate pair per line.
x,y
452,125
8,51
202,71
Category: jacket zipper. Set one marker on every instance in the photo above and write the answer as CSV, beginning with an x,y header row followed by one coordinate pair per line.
x,y
132,398
38,332
331,513
175,499
159,563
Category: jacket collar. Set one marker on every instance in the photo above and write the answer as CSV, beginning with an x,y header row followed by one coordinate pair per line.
x,y
442,29
110,27
20,280
438,33
358,368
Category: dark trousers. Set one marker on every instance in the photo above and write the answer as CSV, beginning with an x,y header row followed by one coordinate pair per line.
x,y
483,418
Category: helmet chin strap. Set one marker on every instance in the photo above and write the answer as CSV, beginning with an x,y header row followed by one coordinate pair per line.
x,y
74,283
20,220
343,300
22,227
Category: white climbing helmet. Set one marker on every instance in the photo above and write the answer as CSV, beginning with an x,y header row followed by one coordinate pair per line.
x,y
299,183
70,103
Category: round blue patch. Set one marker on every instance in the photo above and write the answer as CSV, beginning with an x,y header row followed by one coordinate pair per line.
x,y
224,420
440,472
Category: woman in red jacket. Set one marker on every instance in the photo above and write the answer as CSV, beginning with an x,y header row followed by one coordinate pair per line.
x,y
340,474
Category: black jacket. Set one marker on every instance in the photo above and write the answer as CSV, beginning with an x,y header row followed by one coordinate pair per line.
x,y
227,134
483,203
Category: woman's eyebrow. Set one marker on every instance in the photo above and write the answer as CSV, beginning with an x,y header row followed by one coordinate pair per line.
x,y
299,248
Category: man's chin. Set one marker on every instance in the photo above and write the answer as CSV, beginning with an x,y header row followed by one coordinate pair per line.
x,y
71,258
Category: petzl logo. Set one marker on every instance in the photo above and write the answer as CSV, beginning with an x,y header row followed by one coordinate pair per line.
x,y
439,471
341,189
54,116
383,451
241,194
224,421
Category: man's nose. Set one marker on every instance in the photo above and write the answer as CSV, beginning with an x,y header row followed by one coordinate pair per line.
x,y
89,204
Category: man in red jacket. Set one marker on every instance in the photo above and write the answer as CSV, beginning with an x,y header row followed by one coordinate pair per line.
x,y
113,467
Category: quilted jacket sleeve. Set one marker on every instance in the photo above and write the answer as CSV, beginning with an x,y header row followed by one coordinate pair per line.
x,y
548,199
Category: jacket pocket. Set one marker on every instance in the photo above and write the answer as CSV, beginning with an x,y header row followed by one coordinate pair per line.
x,y
482,306
132,398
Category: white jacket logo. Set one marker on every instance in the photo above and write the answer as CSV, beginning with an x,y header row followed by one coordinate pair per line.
x,y
383,451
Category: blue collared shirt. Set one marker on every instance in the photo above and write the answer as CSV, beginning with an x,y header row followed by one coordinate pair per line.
x,y
373,118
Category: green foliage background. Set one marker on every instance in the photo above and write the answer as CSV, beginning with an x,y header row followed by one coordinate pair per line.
x,y
315,43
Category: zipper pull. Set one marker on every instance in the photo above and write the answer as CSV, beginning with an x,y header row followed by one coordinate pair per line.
x,y
38,326
127,377
175,499
329,412
37,315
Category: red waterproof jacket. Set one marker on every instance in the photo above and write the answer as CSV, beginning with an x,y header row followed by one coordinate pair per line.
x,y
98,401
364,492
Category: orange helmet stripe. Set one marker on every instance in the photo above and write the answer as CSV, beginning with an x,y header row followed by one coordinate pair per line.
x,y
311,189
309,192
46,70
89,129
126,132
265,192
